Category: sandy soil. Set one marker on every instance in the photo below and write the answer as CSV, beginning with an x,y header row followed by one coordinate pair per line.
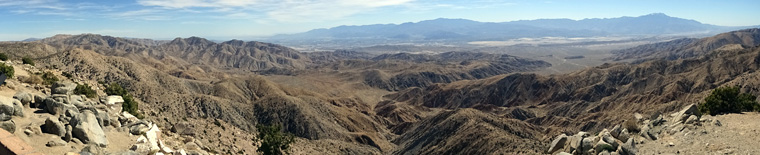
x,y
739,134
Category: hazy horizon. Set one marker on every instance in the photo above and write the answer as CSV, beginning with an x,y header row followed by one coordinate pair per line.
x,y
247,19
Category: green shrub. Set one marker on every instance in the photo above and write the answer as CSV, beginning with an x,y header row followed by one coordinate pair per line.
x,y
115,89
129,105
7,69
85,90
27,60
3,57
273,140
67,75
48,78
728,100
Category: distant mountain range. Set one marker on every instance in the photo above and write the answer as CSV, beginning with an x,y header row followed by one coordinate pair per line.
x,y
443,29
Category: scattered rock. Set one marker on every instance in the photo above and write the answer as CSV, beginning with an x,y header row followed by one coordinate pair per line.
x,y
717,123
557,144
28,132
603,146
53,126
624,135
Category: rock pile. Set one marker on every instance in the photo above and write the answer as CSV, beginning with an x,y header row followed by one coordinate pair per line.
x,y
622,139
616,141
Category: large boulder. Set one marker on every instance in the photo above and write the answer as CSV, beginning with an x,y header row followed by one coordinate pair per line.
x,y
9,126
86,128
53,126
61,87
557,144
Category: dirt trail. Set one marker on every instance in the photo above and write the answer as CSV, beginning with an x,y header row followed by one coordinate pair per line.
x,y
739,134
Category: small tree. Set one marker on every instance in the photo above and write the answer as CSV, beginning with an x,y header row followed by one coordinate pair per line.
x,y
728,100
129,105
48,78
27,60
85,90
3,57
7,69
273,140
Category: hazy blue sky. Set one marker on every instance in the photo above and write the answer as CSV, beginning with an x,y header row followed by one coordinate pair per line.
x,y
242,19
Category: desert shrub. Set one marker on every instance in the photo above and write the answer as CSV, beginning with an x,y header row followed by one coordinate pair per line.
x,y
3,57
67,75
728,100
31,79
129,105
631,125
48,78
273,140
7,69
27,60
85,90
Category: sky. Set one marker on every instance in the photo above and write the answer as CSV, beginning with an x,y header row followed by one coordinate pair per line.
x,y
245,19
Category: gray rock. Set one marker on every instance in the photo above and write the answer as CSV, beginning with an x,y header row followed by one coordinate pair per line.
x,y
24,97
575,142
716,122
61,87
564,153
624,135
102,117
138,128
4,117
38,102
68,136
87,129
183,128
7,108
55,142
587,144
124,153
28,132
603,146
610,140
557,144
92,148
616,131
18,108
691,120
53,126
9,126
628,148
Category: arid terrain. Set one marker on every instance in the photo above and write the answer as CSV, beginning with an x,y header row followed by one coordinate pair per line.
x,y
351,102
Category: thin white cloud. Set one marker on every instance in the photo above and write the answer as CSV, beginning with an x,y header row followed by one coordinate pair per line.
x,y
279,10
